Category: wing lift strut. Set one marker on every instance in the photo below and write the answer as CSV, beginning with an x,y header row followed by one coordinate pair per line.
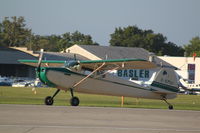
x,y
74,100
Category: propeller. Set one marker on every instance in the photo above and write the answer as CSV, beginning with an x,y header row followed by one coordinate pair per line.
x,y
40,60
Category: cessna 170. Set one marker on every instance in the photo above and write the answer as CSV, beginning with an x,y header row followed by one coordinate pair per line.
x,y
93,76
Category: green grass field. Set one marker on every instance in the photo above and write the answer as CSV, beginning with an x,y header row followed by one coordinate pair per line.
x,y
11,95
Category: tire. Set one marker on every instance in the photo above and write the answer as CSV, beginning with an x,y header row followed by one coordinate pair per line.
x,y
171,107
74,101
49,100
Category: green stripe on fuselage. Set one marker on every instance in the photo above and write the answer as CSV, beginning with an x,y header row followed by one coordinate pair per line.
x,y
165,86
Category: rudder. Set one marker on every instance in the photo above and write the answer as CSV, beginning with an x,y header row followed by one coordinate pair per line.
x,y
166,80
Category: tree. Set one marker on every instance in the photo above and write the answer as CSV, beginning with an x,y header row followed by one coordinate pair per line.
x,y
65,41
81,39
58,43
132,36
68,39
14,32
54,42
1,36
33,43
193,47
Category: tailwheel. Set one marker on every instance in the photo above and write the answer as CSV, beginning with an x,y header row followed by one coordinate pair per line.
x,y
171,107
49,100
74,101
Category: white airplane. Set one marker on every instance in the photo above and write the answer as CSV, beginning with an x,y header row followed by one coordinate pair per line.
x,y
189,86
93,77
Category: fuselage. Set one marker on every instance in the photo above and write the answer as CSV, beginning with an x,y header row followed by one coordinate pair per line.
x,y
107,84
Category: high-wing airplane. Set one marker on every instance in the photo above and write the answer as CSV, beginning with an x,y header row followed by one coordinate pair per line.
x,y
93,77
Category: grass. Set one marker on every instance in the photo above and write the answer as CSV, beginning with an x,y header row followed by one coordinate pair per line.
x,y
11,95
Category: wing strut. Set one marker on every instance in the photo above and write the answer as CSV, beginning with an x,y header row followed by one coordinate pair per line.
x,y
107,72
88,75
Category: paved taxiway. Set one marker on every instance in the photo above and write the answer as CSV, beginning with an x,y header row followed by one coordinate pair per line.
x,y
59,119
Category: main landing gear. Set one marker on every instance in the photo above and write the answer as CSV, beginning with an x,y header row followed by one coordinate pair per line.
x,y
49,100
169,105
74,101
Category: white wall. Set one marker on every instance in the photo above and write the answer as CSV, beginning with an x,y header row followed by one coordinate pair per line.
x,y
182,64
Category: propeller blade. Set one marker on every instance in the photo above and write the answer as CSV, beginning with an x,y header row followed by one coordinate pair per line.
x,y
75,57
40,58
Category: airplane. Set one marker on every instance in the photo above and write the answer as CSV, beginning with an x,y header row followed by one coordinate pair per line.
x,y
93,77
191,87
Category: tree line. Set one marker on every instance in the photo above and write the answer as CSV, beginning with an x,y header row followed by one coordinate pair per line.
x,y
13,32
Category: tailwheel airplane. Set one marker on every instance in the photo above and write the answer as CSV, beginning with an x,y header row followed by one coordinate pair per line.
x,y
94,77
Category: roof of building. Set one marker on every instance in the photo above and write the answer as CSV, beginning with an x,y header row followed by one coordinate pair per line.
x,y
116,52
11,56
113,52
62,56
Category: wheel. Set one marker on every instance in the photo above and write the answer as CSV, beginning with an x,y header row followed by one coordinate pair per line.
x,y
74,101
48,100
171,107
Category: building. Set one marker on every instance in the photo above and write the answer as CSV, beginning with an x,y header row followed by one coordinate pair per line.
x,y
189,68
9,65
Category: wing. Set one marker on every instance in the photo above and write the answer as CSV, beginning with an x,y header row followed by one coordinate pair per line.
x,y
93,64
117,64
44,63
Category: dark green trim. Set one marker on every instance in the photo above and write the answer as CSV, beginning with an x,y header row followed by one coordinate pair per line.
x,y
85,61
42,76
43,61
113,60
125,84
165,86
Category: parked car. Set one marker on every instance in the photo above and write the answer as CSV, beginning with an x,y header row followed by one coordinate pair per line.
x,y
5,84
20,83
5,81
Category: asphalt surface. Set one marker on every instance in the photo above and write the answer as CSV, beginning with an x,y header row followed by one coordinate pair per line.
x,y
59,119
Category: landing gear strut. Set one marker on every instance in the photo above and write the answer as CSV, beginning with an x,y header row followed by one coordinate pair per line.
x,y
49,100
170,106
74,101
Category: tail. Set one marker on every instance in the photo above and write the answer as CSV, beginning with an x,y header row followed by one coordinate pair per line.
x,y
166,81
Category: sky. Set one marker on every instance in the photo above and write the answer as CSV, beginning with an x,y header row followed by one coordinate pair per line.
x,y
178,20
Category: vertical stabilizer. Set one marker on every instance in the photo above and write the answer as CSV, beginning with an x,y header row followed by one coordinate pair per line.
x,y
166,81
